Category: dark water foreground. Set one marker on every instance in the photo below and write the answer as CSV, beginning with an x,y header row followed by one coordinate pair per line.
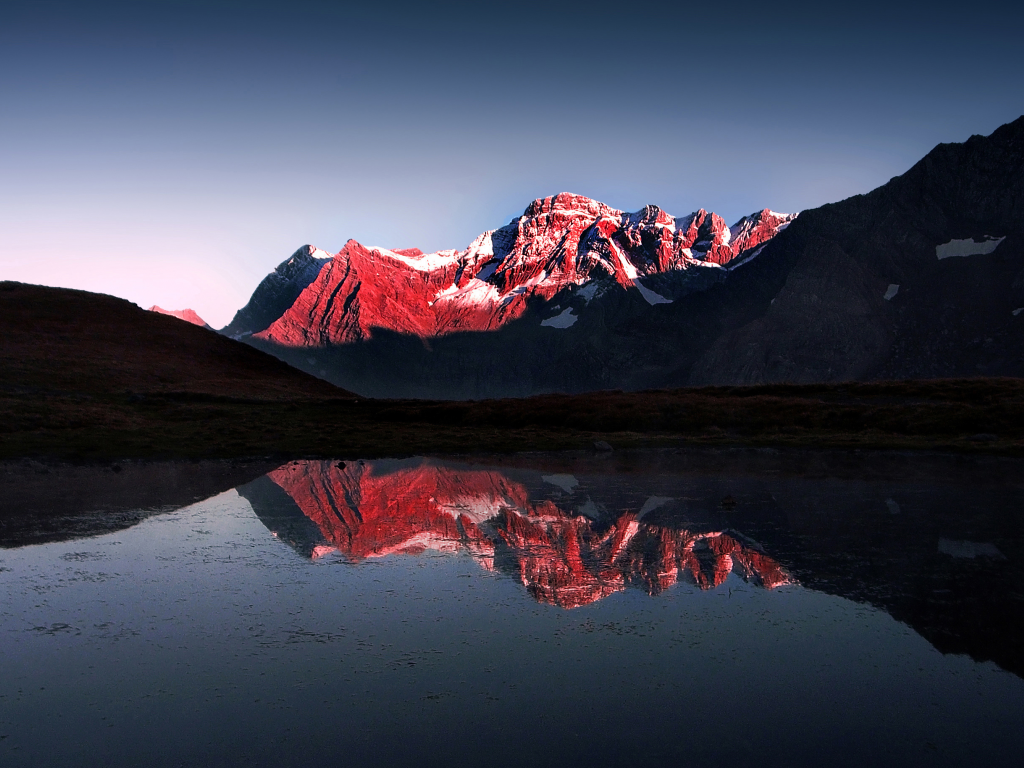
x,y
705,608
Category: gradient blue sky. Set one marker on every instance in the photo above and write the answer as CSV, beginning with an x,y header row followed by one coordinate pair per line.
x,y
175,152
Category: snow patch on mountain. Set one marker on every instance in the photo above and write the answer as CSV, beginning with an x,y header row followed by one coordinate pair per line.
x,y
652,504
650,296
589,291
476,508
482,247
565,482
969,247
969,549
475,292
565,319
424,262
627,267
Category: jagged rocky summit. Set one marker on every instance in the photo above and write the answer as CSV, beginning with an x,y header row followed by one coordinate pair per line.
x,y
923,277
559,243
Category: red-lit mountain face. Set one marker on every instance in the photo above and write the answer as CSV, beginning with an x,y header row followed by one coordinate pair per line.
x,y
563,557
560,242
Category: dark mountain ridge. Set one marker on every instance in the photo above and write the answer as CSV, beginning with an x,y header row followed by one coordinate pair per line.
x,y
817,296
277,292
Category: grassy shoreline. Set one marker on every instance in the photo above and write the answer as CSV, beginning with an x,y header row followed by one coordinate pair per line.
x,y
969,416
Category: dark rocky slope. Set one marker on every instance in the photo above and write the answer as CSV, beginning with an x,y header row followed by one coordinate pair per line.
x,y
817,294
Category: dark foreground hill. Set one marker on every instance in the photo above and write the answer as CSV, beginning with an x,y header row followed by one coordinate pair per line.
x,y
56,342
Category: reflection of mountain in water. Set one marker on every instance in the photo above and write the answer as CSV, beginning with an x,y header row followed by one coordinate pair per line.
x,y
563,556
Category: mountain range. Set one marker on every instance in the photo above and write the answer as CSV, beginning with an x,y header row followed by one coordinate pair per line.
x,y
562,243
921,278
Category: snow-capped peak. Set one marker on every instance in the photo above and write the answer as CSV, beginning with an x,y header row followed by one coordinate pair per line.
x,y
559,241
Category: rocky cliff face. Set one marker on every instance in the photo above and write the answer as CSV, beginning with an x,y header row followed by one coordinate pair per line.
x,y
563,557
561,242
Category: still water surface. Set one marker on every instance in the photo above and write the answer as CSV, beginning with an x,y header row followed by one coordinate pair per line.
x,y
577,613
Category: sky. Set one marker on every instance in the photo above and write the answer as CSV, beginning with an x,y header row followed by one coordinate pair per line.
x,y
175,152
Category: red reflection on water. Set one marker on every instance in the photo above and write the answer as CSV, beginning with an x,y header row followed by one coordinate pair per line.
x,y
561,558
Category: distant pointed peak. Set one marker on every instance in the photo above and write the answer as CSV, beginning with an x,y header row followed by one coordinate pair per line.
x,y
188,315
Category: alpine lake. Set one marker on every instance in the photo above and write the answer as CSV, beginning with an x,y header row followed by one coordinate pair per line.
x,y
702,607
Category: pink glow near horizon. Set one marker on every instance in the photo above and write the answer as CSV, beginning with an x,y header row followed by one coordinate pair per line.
x,y
209,252
201,282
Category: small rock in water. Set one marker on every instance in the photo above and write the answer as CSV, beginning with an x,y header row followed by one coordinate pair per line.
x,y
983,437
601,445
728,503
